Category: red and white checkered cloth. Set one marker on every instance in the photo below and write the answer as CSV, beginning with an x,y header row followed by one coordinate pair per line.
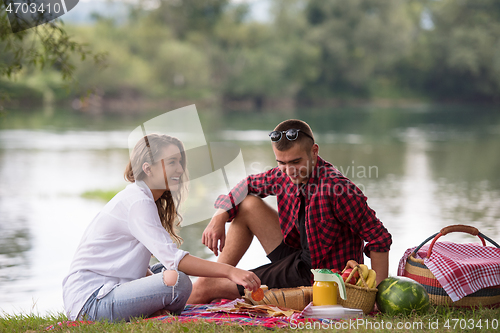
x,y
461,269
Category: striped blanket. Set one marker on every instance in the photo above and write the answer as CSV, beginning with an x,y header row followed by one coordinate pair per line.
x,y
205,312
214,313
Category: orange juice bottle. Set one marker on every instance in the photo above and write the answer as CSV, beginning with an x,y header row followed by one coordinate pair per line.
x,y
325,287
324,293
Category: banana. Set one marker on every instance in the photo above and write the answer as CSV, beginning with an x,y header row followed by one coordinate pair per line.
x,y
363,271
371,280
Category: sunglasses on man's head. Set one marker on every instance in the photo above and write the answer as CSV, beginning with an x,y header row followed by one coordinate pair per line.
x,y
291,134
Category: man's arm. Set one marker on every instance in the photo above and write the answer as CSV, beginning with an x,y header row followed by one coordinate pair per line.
x,y
261,185
351,207
258,184
380,264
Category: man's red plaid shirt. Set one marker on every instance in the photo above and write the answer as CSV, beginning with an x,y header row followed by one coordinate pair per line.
x,y
338,219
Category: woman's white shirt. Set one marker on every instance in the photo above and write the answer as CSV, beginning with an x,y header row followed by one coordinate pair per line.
x,y
117,246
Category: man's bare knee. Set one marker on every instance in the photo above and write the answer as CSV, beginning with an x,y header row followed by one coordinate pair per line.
x,y
170,277
251,202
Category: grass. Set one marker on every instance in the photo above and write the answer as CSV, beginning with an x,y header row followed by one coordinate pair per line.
x,y
438,319
100,194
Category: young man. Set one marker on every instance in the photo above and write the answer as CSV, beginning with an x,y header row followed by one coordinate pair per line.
x,y
322,220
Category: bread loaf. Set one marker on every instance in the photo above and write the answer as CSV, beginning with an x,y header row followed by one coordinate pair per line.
x,y
292,298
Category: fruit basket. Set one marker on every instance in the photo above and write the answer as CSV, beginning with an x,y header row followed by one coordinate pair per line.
x,y
416,269
358,297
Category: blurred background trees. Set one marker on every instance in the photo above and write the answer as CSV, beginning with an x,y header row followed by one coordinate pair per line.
x,y
34,62
465,50
306,51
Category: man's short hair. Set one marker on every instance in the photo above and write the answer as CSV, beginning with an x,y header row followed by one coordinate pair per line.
x,y
302,139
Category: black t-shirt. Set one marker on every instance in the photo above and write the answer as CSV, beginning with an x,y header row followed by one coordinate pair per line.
x,y
301,225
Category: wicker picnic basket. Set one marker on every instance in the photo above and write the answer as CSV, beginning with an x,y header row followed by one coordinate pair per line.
x,y
292,298
416,270
358,297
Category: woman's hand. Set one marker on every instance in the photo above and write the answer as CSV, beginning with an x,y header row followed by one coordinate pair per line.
x,y
192,265
245,278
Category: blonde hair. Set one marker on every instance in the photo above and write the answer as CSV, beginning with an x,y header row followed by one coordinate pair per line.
x,y
168,204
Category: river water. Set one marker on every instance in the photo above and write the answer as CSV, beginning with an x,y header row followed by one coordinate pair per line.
x,y
422,168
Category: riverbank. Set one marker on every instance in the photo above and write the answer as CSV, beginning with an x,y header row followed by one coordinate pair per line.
x,y
438,319
95,104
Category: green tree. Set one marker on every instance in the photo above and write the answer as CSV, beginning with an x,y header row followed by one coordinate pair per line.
x,y
263,60
46,45
465,49
360,42
145,60
185,16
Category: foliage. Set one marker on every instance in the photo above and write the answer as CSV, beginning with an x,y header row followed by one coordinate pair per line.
x,y
359,39
465,46
143,59
44,46
185,17
266,61
309,51
100,194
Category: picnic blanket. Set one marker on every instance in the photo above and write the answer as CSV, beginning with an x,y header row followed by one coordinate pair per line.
x,y
234,312
223,313
461,269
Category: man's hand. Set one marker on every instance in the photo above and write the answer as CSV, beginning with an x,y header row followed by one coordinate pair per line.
x,y
351,264
215,232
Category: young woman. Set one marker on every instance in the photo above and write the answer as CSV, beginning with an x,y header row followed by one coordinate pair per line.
x,y
110,278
